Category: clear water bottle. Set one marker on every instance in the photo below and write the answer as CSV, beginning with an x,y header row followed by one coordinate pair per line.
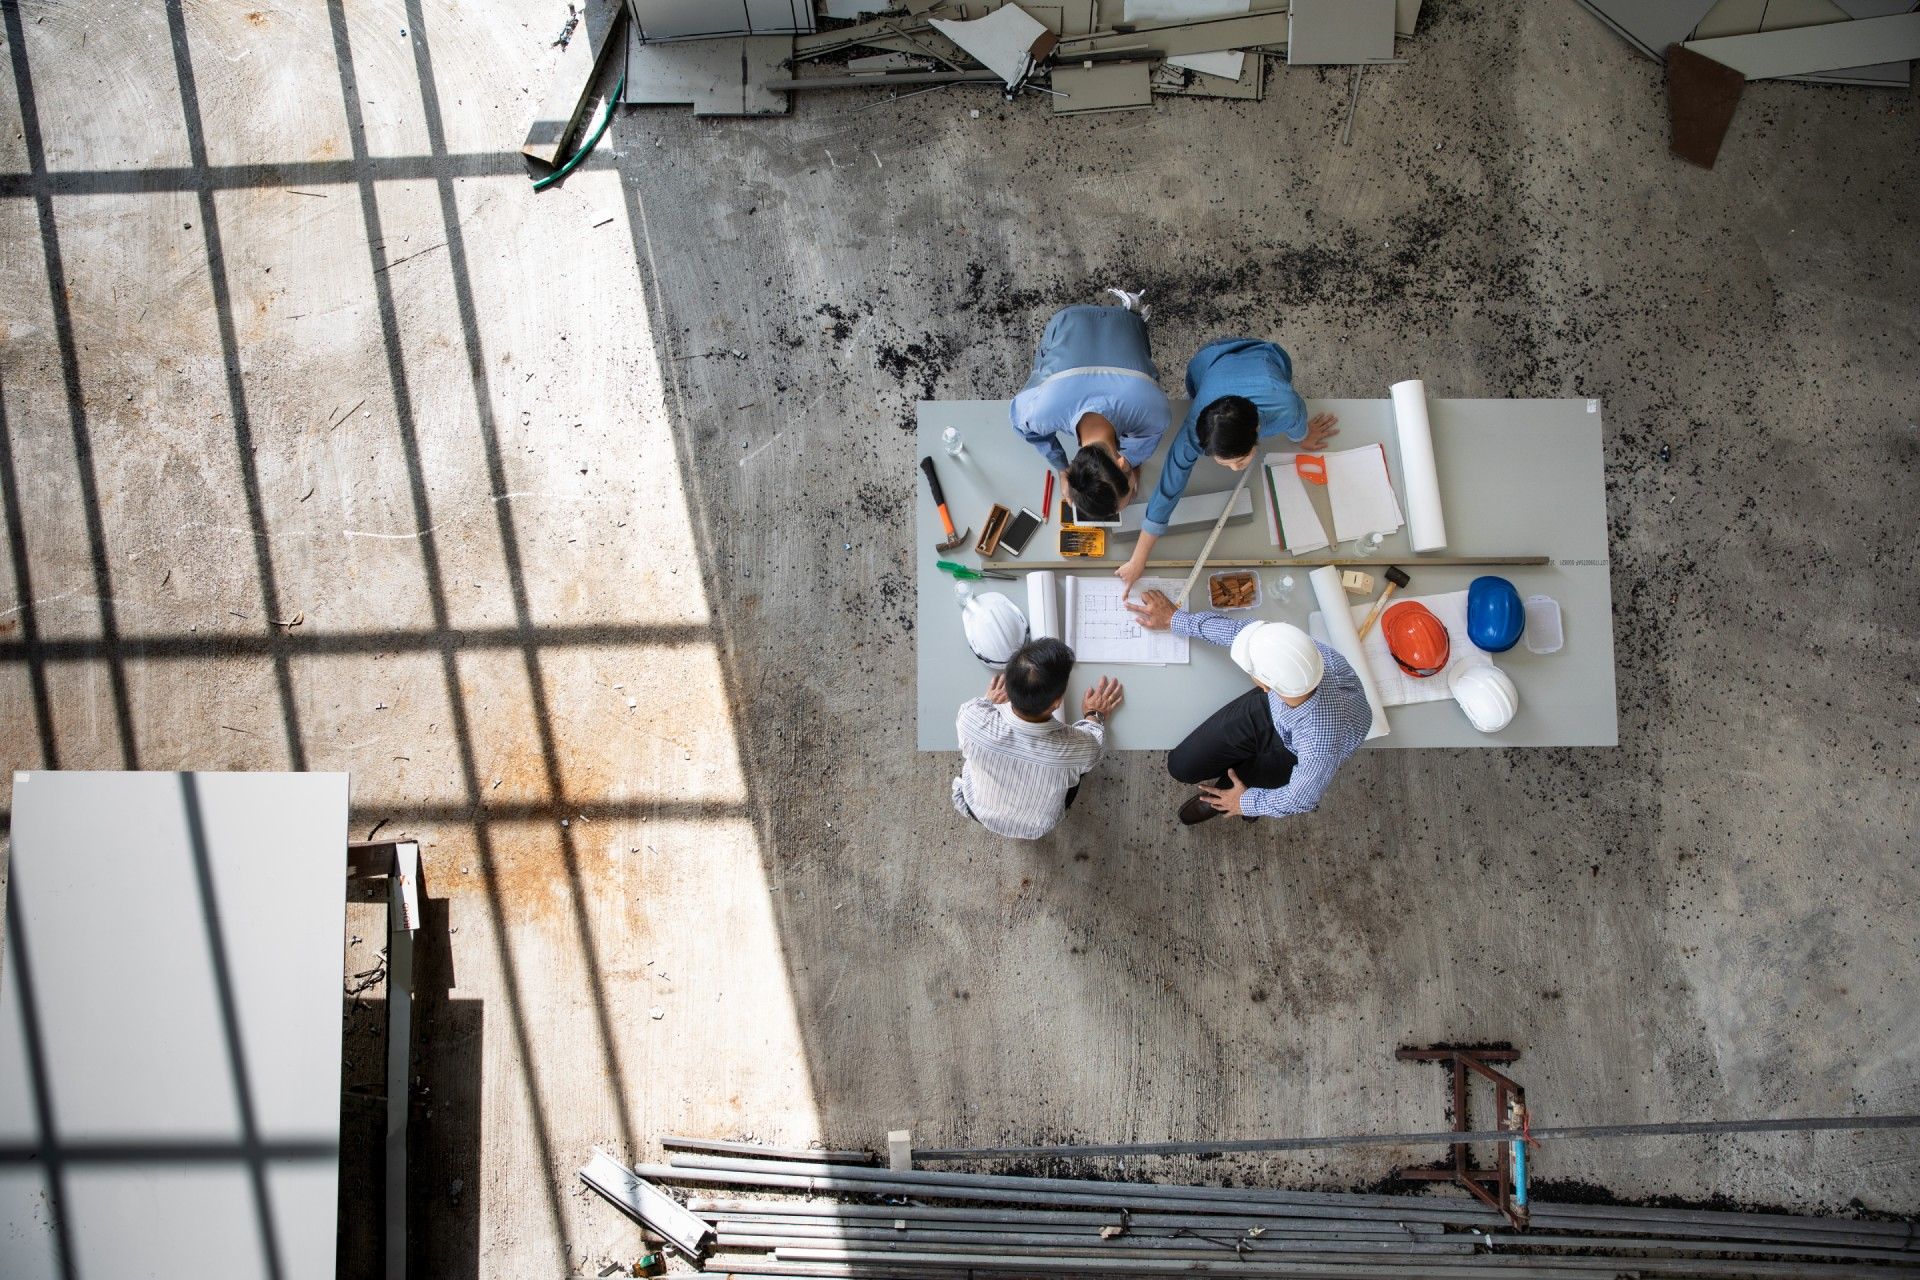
x,y
962,593
1369,544
1280,588
950,441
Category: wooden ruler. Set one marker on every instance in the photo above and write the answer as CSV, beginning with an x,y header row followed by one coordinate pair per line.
x,y
1225,513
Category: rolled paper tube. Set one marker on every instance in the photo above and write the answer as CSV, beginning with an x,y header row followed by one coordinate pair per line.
x,y
1338,613
1426,522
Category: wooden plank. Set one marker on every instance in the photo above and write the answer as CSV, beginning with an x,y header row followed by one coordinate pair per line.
x,y
571,83
1836,46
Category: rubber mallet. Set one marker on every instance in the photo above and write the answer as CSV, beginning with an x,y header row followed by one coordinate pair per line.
x,y
1396,579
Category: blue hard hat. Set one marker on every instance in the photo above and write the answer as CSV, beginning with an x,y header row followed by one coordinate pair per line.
x,y
1495,616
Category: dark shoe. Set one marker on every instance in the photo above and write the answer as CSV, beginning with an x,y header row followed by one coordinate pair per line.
x,y
1197,810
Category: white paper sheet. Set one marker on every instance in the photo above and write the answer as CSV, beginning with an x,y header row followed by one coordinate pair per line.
x,y
1228,63
1100,628
1043,605
1291,520
1360,493
1345,639
1397,688
1419,478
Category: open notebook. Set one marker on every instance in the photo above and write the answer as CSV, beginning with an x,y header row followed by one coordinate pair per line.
x,y
1089,614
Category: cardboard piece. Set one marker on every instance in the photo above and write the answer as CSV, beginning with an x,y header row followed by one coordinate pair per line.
x,y
1103,86
1701,97
1329,32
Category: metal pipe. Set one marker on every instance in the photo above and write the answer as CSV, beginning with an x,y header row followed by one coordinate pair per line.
x,y
1016,1195
1055,1246
1046,1243
902,77
1539,1134
937,1178
775,1210
1902,1229
1202,1230
724,1147
1450,1266
1517,1239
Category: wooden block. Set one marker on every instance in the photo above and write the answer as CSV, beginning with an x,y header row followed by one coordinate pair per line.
x,y
1357,583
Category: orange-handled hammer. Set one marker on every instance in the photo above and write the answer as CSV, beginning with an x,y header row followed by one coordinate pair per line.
x,y
940,501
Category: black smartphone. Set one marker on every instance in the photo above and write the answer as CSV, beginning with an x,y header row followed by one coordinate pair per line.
x,y
1020,531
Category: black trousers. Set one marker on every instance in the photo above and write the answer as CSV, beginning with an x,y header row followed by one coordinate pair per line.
x,y
1239,736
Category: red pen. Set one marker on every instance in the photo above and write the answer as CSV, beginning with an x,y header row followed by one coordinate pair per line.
x,y
1046,499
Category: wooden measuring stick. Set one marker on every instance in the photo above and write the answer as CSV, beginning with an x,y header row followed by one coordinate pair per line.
x,y
1201,561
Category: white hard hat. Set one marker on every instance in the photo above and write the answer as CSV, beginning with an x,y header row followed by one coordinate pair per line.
x,y
995,628
1280,656
1487,695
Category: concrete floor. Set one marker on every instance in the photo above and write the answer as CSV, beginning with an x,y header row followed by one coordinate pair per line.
x,y
575,526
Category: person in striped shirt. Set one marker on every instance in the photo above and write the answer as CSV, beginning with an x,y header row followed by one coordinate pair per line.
x,y
1020,766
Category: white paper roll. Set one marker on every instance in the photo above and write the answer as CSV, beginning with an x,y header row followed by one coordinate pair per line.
x,y
1426,523
1337,610
1043,605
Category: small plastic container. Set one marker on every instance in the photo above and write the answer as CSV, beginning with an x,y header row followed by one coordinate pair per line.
x,y
1233,573
1543,634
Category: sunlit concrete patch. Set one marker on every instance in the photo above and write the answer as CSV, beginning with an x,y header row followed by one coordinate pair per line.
x,y
126,114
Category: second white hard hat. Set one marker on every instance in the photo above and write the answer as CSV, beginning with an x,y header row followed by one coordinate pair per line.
x,y
1280,656
1487,695
995,628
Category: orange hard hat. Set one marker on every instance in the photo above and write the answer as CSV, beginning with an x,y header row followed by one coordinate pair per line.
x,y
1416,639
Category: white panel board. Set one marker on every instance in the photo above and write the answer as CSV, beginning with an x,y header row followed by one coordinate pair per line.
x,y
170,1021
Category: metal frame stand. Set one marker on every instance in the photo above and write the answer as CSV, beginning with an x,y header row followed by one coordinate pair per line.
x,y
399,862
1502,1188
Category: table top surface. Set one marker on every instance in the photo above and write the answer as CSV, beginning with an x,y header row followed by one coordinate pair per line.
x,y
170,1025
1517,477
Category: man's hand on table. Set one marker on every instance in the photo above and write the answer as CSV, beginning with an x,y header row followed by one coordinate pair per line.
x,y
1319,431
1103,699
1154,612
997,689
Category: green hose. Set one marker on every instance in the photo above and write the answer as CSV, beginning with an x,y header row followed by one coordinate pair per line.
x,y
541,184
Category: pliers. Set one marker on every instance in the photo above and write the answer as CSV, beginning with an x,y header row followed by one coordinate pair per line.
x,y
965,574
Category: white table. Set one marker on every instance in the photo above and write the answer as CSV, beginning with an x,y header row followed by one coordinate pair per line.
x,y
1516,477
170,1023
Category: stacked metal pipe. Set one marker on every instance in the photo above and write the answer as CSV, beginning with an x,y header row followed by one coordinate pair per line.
x,y
922,1223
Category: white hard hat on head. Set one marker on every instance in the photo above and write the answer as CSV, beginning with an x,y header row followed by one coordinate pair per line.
x,y
1487,695
1280,656
995,628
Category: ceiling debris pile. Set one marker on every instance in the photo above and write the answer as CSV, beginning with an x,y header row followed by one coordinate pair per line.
x,y
1713,47
748,59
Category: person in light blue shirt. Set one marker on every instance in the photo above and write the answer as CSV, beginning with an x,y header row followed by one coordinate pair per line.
x,y
1273,751
1242,392
1095,391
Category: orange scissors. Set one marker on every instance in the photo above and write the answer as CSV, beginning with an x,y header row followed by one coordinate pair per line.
x,y
1310,467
